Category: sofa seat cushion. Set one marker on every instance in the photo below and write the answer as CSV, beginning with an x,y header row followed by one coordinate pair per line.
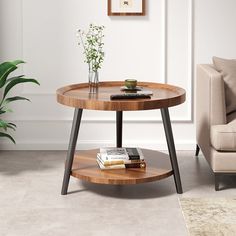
x,y
223,137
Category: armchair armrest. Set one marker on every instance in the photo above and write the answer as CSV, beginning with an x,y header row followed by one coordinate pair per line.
x,y
210,95
210,103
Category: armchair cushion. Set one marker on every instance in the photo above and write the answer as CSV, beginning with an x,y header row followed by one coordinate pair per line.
x,y
228,70
223,137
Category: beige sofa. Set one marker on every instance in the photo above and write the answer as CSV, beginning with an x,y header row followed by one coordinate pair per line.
x,y
216,131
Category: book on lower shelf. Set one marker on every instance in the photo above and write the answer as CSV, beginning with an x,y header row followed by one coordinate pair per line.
x,y
120,158
110,167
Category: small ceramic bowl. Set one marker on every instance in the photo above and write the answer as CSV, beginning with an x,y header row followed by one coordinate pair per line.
x,y
131,83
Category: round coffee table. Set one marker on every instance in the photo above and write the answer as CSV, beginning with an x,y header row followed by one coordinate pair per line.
x,y
83,164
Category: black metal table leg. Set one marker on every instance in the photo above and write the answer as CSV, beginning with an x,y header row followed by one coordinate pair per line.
x,y
119,121
71,149
171,147
197,150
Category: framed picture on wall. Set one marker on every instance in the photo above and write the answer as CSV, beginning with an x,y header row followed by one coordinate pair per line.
x,y
126,7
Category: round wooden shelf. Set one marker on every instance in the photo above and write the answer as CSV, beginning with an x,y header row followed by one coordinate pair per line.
x,y
85,167
77,95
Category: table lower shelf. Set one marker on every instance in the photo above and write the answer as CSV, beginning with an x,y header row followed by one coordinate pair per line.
x,y
86,168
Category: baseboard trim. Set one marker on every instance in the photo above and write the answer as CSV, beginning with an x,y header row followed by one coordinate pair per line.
x,y
161,145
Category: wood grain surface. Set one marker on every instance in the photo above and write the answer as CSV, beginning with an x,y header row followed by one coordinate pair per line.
x,y
78,96
86,168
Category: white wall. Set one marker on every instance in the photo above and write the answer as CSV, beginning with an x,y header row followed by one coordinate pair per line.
x,y
163,46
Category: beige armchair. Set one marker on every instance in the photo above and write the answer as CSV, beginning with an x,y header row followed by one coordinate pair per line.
x,y
216,131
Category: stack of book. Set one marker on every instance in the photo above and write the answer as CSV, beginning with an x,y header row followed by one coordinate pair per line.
x,y
120,158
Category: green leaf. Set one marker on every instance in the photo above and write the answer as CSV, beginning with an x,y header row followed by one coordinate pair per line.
x,y
5,109
13,78
3,124
17,62
18,81
7,136
2,111
6,68
16,98
11,126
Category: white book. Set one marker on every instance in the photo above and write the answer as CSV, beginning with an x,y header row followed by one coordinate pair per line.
x,y
113,155
117,161
111,167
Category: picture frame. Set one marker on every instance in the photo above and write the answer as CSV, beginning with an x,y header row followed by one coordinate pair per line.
x,y
126,7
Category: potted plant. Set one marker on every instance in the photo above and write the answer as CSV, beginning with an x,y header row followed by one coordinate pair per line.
x,y
6,84
92,43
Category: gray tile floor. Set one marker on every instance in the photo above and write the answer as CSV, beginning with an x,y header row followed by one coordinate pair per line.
x,y
31,204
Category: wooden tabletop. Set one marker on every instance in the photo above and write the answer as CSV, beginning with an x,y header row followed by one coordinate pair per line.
x,y
78,96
